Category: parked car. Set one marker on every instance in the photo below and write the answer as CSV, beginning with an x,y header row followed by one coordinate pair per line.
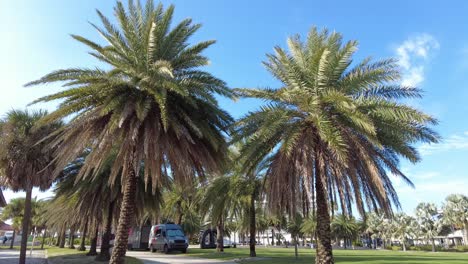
x,y
167,237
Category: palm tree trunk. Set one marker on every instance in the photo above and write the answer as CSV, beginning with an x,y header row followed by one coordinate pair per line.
x,y
273,236
295,247
126,217
220,236
13,239
404,245
83,237
252,226
104,254
93,246
62,237
71,238
433,245
43,238
26,223
324,248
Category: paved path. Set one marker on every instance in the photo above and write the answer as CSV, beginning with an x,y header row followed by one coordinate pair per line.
x,y
12,256
174,258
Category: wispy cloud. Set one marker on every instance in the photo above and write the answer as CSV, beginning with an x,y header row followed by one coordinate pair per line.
x,y
454,142
413,55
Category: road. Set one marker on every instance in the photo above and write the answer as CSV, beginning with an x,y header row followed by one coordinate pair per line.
x,y
12,256
173,258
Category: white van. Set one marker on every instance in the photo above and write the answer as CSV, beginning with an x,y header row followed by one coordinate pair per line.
x,y
167,237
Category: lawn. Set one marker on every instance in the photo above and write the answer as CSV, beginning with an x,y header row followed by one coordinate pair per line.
x,y
286,255
72,256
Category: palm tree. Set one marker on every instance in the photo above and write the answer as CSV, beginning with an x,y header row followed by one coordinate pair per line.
x,y
14,211
334,126
455,212
294,228
344,227
153,100
404,227
309,226
25,162
429,221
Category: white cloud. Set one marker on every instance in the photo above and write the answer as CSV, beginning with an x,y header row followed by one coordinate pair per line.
x,y
454,142
413,55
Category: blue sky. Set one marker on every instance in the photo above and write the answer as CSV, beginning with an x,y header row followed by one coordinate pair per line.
x,y
429,37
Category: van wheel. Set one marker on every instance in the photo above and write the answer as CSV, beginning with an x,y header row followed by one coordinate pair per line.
x,y
152,249
166,249
184,251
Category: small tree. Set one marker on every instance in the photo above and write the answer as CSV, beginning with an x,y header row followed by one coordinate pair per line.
x,y
404,227
455,212
429,221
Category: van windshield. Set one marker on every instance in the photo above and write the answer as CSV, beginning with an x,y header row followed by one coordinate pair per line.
x,y
174,232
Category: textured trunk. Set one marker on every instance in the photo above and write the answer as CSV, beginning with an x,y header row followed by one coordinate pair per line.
x,y
252,226
180,214
93,246
273,236
295,247
26,223
13,239
404,245
433,245
220,236
71,238
126,217
43,238
83,237
62,237
104,254
324,248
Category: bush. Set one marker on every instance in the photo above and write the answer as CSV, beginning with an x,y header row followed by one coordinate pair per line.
x,y
393,248
358,244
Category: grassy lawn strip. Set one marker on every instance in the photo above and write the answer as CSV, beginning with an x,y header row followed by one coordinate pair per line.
x,y
73,256
286,255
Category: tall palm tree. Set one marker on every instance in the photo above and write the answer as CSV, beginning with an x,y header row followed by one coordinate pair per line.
x,y
429,221
152,99
455,212
334,125
25,162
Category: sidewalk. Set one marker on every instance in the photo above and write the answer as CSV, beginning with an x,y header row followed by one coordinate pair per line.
x,y
8,256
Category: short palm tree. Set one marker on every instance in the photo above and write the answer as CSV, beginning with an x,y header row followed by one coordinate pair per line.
x,y
14,211
429,221
455,212
404,227
345,227
25,162
334,124
152,100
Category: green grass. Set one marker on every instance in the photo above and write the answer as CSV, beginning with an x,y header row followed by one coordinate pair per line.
x,y
37,247
286,255
72,256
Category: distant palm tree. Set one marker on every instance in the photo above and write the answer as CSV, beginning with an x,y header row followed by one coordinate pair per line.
x,y
309,226
404,227
25,161
429,221
455,212
335,125
294,228
152,100
345,227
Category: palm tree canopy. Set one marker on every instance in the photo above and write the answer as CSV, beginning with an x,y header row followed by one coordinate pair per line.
x,y
24,158
346,115
344,226
152,99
